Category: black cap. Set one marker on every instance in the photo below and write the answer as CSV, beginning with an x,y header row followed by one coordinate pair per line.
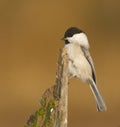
x,y
71,31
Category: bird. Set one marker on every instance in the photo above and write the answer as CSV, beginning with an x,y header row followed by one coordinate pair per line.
x,y
80,63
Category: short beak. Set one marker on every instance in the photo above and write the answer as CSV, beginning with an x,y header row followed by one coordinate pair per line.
x,y
63,39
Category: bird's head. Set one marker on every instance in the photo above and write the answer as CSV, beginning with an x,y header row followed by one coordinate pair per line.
x,y
75,35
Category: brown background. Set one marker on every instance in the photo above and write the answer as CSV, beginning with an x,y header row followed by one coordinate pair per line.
x,y
30,33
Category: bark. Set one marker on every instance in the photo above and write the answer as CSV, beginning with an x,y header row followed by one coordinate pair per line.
x,y
53,111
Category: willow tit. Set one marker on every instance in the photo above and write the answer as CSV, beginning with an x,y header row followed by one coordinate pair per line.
x,y
80,62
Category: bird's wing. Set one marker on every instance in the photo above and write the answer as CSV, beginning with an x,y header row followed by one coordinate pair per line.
x,y
89,58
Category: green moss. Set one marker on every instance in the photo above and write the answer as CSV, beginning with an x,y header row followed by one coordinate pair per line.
x,y
44,114
48,119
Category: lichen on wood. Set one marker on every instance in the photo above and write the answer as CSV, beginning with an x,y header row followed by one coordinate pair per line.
x,y
53,109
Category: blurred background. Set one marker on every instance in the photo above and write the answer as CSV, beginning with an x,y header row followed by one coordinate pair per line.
x,y
30,33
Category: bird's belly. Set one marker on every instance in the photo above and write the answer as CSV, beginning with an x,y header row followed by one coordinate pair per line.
x,y
80,68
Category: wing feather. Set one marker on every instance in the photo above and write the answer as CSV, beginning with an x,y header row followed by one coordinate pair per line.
x,y
89,58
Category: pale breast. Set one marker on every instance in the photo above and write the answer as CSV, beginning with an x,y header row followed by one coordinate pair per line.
x,y
78,65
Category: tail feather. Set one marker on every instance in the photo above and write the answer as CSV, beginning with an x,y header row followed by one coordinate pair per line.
x,y
101,106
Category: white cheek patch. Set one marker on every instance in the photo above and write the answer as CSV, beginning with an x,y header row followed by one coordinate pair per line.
x,y
81,39
70,39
